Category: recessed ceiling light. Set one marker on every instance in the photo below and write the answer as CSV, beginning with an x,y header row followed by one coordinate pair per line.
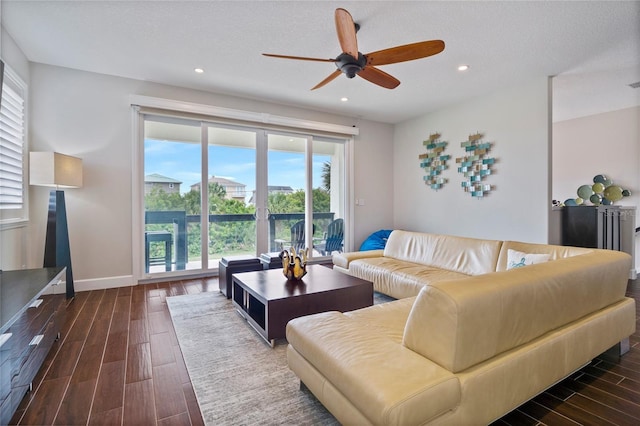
x,y
344,99
198,70
463,67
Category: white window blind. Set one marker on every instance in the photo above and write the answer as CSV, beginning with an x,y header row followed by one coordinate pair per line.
x,y
12,144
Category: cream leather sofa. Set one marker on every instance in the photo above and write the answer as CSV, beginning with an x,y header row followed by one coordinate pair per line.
x,y
476,341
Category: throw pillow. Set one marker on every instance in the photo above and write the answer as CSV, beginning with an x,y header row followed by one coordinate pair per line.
x,y
376,241
518,259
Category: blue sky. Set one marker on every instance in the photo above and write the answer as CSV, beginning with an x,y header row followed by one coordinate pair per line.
x,y
181,161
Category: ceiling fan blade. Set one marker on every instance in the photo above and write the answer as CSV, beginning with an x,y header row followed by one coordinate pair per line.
x,y
301,58
407,52
332,76
379,77
346,30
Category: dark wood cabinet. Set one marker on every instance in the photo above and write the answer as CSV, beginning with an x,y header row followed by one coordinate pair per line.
x,y
603,227
31,322
591,226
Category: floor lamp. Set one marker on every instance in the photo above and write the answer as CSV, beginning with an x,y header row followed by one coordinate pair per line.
x,y
58,171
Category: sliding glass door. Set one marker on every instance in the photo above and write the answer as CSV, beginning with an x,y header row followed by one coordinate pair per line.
x,y
232,184
172,164
328,183
299,166
286,189
266,192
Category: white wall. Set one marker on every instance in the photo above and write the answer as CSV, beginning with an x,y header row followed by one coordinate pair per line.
x,y
516,120
89,115
607,143
373,180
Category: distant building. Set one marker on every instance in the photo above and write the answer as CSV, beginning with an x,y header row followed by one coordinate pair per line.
x,y
272,189
164,183
234,190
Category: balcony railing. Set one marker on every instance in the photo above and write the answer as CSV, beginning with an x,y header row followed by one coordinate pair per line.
x,y
180,221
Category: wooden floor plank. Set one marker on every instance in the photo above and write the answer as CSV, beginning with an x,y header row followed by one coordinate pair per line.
x,y
168,392
107,418
76,405
139,363
139,404
44,405
608,399
161,349
569,410
631,395
138,331
110,389
545,415
192,405
64,366
518,418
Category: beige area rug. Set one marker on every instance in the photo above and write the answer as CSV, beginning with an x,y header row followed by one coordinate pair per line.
x,y
238,379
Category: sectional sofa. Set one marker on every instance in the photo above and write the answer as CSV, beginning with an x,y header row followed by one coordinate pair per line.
x,y
479,327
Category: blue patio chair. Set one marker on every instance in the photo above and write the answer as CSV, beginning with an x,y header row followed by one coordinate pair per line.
x,y
334,238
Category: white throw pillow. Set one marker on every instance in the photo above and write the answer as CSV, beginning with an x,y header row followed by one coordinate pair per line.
x,y
518,259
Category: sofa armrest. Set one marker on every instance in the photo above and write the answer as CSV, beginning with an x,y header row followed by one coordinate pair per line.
x,y
344,259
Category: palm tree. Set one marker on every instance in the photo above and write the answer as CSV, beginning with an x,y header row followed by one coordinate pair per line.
x,y
326,176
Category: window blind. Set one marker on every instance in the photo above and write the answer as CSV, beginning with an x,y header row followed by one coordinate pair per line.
x,y
12,139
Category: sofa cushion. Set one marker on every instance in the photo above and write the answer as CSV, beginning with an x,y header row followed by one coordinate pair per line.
x,y
383,379
461,323
343,260
387,319
518,259
398,278
465,255
376,241
554,252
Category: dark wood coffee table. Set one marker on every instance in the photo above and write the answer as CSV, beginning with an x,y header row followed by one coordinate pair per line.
x,y
268,301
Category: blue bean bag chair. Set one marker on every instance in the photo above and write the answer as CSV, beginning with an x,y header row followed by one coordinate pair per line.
x,y
376,241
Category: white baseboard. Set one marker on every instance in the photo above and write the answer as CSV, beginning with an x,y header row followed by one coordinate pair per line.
x,y
96,284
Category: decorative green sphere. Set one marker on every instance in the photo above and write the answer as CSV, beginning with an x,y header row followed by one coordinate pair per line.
x,y
595,199
599,178
579,201
598,188
626,193
613,193
570,202
606,202
585,191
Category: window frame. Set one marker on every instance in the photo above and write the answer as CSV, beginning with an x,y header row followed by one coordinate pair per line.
x,y
19,217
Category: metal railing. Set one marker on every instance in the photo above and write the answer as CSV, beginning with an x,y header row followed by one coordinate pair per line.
x,y
180,220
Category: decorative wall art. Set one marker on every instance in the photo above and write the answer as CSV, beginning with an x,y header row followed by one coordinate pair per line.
x,y
603,191
475,166
434,162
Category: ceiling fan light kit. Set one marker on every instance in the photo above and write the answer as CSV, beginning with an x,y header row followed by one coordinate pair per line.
x,y
352,62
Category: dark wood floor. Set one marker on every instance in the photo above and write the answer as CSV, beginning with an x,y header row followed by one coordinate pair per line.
x,y
119,362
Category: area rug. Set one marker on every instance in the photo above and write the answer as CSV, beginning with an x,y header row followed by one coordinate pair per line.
x,y
238,379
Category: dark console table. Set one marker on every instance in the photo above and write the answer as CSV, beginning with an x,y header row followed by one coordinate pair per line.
x,y
30,323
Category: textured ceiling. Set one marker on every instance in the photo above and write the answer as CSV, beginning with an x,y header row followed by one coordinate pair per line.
x,y
594,47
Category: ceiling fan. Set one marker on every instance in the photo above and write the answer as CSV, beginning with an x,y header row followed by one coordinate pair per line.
x,y
351,62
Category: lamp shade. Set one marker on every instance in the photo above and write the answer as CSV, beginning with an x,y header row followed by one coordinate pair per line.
x,y
55,170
